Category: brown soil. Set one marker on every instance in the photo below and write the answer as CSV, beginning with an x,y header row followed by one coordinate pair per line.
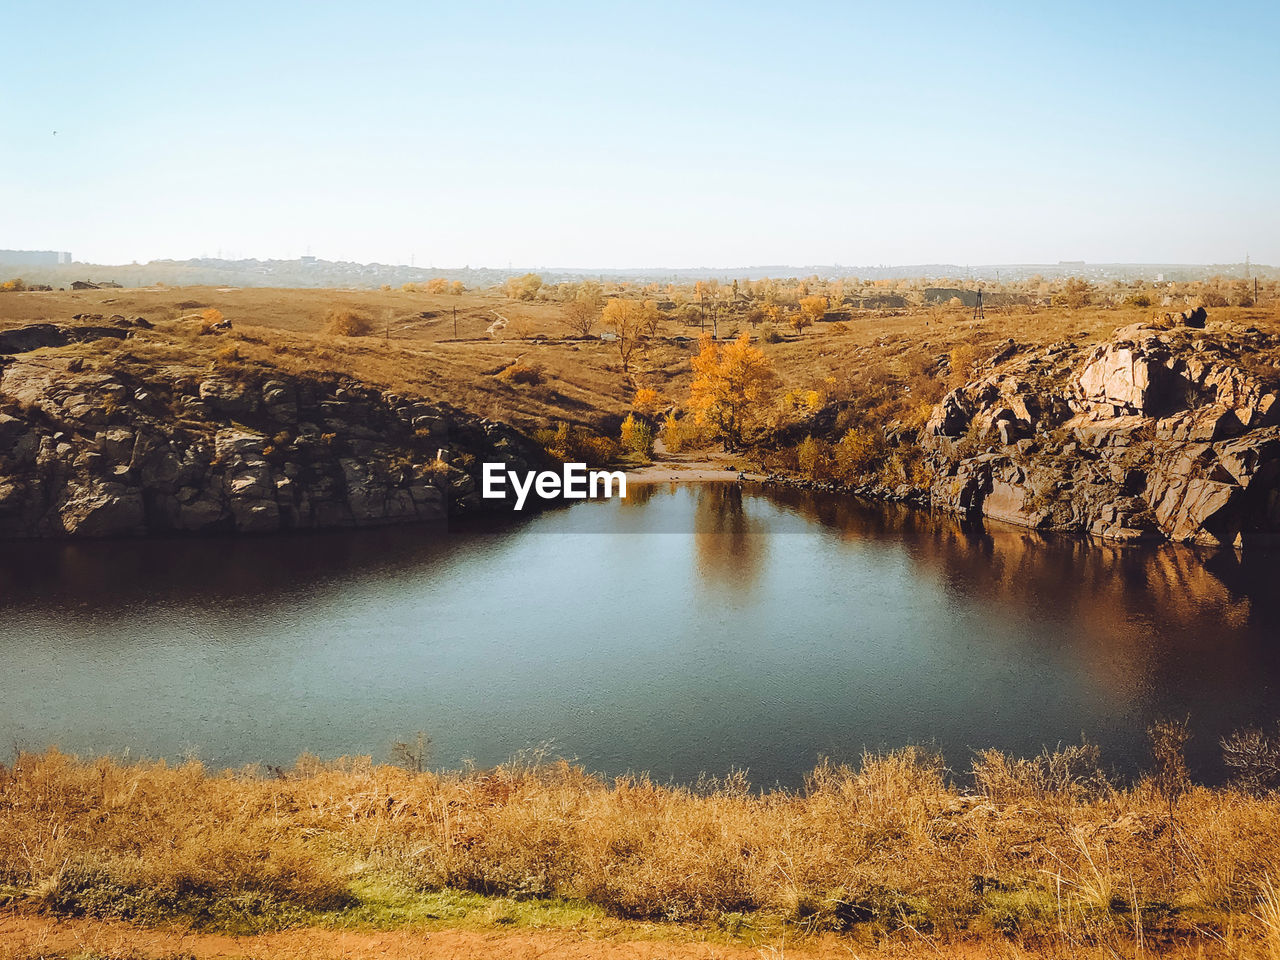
x,y
27,936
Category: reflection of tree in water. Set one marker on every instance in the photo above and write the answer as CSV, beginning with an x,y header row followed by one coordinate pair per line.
x,y
639,494
729,542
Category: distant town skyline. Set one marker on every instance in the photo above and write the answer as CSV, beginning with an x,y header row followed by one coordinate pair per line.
x,y
664,136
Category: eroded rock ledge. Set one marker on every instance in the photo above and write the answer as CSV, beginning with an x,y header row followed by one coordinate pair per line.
x,y
1155,434
111,453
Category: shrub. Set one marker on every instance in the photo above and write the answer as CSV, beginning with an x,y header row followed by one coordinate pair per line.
x,y
577,445
812,458
769,334
637,435
646,401
859,452
521,373
1254,760
210,320
347,323
679,434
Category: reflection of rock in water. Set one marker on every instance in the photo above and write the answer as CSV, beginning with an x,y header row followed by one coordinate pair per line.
x,y
728,540
1142,620
116,575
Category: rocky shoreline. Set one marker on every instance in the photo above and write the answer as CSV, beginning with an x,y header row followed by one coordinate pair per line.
x,y
117,451
1167,431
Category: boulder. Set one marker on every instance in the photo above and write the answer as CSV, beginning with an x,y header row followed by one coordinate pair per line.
x,y
103,509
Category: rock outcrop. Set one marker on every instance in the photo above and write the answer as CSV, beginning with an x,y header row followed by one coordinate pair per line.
x,y
1154,434
128,452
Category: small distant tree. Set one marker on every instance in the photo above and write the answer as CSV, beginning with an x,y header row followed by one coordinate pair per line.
x,y
815,308
799,320
651,322
626,319
1075,293
524,287
437,285
580,316
456,288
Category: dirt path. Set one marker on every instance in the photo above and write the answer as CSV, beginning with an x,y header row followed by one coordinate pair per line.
x,y
668,466
28,937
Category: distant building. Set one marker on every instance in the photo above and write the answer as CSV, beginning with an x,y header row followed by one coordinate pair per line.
x,y
34,258
84,285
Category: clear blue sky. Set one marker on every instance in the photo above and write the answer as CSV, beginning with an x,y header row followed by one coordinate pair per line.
x,y
611,134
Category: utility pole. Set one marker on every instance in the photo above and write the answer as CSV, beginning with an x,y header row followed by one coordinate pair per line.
x,y
455,323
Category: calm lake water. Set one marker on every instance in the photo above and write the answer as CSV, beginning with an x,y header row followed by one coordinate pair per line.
x,y
686,629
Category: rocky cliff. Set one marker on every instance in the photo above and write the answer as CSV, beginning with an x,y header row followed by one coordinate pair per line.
x,y
120,450
1168,430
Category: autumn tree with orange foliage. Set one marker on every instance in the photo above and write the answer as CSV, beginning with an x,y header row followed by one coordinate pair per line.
x,y
813,309
732,389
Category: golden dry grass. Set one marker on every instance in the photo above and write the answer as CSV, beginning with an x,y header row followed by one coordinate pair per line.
x,y
887,360
887,850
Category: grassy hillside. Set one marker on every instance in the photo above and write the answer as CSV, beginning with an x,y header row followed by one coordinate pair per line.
x,y
891,358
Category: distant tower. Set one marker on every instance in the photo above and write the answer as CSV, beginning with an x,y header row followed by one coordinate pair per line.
x,y
1246,266
977,307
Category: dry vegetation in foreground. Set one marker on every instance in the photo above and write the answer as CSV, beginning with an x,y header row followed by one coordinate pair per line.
x,y
1045,855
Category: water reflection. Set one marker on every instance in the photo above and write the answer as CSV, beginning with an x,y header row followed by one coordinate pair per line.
x,y
1178,629
753,628
729,539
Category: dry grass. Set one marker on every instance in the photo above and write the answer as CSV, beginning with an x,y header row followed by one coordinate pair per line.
x,y
887,849
888,363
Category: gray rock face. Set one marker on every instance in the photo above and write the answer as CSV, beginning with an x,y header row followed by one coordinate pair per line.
x,y
107,455
1156,434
